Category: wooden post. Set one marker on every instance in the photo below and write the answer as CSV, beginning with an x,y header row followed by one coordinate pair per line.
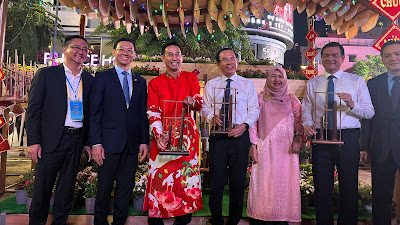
x,y
3,23
3,160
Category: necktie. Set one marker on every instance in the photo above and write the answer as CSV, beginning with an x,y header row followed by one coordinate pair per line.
x,y
226,100
331,101
395,93
125,87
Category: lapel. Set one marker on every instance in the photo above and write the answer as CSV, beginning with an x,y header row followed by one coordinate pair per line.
x,y
117,85
61,81
384,94
135,88
85,84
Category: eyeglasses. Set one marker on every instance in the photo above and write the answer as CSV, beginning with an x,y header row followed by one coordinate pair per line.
x,y
225,60
78,48
128,51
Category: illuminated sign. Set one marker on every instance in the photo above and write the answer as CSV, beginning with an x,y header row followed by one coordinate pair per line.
x,y
94,59
280,22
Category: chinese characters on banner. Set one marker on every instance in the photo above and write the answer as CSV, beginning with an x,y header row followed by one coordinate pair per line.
x,y
310,54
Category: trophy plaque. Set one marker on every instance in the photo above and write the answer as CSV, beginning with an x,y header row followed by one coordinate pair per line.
x,y
175,128
225,109
325,132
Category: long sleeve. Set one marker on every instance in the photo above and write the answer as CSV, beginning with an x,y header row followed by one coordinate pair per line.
x,y
96,110
35,98
365,134
306,108
207,109
144,119
297,114
195,93
252,106
363,107
154,110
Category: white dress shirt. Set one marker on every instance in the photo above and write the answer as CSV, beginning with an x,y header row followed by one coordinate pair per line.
x,y
74,80
247,109
343,83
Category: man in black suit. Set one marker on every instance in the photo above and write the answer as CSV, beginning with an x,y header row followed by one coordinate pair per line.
x,y
380,136
119,129
57,130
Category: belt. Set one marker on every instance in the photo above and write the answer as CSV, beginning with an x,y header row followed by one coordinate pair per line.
x,y
72,130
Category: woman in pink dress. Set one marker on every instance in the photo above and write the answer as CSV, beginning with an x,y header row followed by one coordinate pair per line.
x,y
274,191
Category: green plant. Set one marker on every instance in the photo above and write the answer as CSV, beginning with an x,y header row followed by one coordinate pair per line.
x,y
365,195
146,70
249,73
371,67
259,62
140,180
22,182
294,75
91,187
305,153
306,181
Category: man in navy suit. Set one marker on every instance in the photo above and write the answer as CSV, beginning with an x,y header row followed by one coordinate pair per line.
x,y
119,130
57,130
380,136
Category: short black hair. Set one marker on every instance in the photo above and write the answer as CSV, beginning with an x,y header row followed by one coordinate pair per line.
x,y
68,39
124,39
224,49
169,44
333,44
388,43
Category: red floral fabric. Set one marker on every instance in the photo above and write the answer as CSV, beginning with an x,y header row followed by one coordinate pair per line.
x,y
174,185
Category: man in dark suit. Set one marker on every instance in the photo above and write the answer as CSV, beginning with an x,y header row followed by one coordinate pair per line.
x,y
57,130
119,129
380,136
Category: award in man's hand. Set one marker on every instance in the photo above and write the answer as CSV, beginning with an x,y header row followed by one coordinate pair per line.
x,y
224,111
175,128
327,118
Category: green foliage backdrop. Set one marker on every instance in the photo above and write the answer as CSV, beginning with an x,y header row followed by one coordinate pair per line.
x,y
30,28
192,46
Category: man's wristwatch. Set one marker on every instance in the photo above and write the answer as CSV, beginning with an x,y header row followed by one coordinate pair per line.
x,y
247,126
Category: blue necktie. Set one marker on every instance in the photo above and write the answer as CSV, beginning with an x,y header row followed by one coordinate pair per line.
x,y
226,100
125,87
331,101
395,93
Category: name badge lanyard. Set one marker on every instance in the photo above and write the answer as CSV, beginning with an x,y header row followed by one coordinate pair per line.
x,y
76,106
80,90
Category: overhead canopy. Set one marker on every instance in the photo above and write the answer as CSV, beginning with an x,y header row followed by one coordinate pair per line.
x,y
345,16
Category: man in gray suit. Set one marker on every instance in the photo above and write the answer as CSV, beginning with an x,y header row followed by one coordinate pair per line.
x,y
380,135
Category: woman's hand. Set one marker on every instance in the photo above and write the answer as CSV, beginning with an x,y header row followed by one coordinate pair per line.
x,y
254,153
297,144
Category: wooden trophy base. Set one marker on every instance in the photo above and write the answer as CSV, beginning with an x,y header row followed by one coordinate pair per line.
x,y
327,142
185,153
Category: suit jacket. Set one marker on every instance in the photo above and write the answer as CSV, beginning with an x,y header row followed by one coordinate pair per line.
x,y
113,124
380,135
47,107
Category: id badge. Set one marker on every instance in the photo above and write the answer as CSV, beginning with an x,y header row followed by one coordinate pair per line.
x,y
76,110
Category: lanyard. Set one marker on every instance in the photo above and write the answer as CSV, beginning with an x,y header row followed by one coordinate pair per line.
x,y
80,89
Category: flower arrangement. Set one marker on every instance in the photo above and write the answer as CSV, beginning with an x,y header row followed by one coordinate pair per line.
x,y
91,186
249,73
24,180
95,69
305,153
306,181
365,195
146,70
140,180
82,178
294,75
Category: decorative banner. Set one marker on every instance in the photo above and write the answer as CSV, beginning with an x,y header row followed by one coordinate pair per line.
x,y
1,74
311,36
310,72
196,71
391,8
310,54
393,33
